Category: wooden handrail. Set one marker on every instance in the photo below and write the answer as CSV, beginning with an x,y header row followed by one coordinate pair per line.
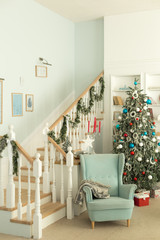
x,y
57,146
25,154
76,101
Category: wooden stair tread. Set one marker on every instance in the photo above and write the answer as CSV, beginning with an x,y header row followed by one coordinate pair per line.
x,y
46,210
26,168
24,198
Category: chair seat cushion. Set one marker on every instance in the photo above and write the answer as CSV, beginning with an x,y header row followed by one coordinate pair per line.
x,y
110,203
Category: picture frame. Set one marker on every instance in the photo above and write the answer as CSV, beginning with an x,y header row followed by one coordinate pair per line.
x,y
29,102
17,104
116,115
1,101
41,71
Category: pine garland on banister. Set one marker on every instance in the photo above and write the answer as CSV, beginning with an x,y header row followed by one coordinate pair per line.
x,y
81,108
3,145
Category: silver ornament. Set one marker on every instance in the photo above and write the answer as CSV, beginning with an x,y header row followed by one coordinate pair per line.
x,y
150,177
145,107
133,114
153,140
140,144
139,159
138,109
156,150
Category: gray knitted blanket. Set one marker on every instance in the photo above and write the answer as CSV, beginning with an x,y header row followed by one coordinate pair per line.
x,y
98,190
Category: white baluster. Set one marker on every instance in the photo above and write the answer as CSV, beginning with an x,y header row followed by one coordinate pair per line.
x,y
59,127
55,130
74,115
69,160
86,124
83,127
86,99
46,179
52,159
1,185
62,180
29,193
77,139
37,218
19,188
10,196
50,165
70,134
74,139
71,114
67,120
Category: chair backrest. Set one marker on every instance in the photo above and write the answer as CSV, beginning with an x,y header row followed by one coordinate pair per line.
x,y
104,168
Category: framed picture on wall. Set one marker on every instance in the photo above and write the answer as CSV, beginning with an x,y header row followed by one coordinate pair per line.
x,y
40,71
17,104
1,101
29,102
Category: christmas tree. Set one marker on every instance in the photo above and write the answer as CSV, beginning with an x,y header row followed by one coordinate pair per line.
x,y
135,137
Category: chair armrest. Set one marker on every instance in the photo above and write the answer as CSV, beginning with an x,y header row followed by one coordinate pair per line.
x,y
127,191
88,193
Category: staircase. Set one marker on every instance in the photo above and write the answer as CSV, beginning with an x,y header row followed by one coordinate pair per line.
x,y
39,196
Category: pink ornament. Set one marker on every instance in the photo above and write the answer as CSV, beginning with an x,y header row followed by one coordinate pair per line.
x,y
94,129
88,126
99,126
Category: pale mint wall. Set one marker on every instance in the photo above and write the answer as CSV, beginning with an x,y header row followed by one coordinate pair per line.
x,y
29,31
89,52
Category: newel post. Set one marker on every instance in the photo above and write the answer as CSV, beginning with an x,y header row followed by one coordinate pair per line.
x,y
37,218
46,177
10,195
1,185
69,159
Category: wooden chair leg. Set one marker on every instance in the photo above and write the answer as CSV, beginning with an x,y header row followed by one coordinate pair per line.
x,y
128,223
92,224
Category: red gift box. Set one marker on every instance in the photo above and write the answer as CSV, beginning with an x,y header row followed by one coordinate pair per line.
x,y
141,200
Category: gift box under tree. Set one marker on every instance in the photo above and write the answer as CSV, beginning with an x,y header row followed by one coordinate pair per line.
x,y
141,199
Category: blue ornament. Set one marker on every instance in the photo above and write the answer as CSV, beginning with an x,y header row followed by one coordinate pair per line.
x,y
117,126
153,133
159,144
148,101
131,145
121,140
135,83
125,110
152,126
145,133
142,135
114,140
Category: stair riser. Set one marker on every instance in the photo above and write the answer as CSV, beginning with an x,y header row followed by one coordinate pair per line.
x,y
33,186
53,217
25,185
25,173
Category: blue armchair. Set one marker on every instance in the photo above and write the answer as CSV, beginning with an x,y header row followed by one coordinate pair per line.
x,y
107,169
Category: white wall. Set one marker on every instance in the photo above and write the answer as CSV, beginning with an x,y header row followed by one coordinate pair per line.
x,y
89,53
29,31
131,46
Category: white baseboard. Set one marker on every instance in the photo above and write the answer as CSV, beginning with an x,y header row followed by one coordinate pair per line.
x,y
35,139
